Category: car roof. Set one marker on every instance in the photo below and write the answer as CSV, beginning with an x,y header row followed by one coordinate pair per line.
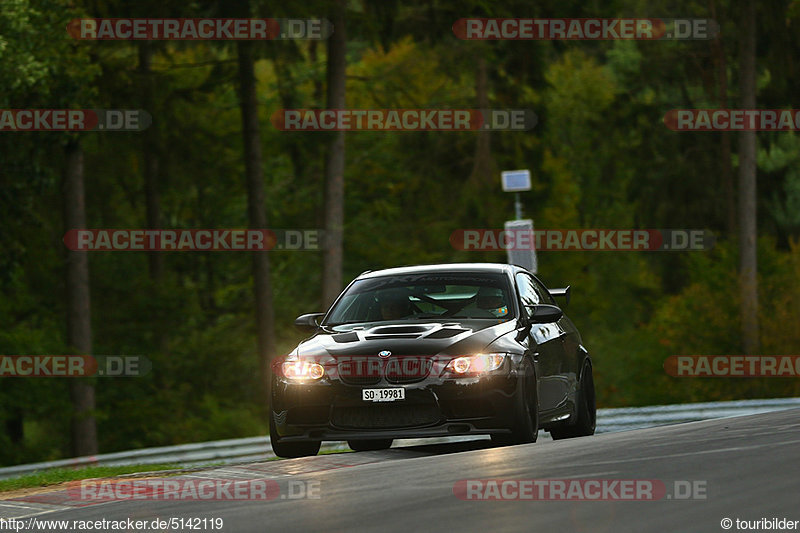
x,y
494,268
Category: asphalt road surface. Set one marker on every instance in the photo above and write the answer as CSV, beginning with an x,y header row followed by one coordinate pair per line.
x,y
743,468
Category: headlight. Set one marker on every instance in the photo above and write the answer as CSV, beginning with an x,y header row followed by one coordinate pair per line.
x,y
472,365
302,370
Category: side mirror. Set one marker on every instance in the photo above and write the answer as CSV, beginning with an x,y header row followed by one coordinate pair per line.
x,y
555,293
308,321
544,314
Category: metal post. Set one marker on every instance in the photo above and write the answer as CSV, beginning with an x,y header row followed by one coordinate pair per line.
x,y
517,206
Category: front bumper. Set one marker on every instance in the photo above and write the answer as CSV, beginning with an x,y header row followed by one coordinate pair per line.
x,y
434,407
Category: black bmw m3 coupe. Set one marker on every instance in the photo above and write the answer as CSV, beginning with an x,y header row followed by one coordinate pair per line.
x,y
434,350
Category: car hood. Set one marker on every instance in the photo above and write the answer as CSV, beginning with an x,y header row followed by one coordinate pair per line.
x,y
433,338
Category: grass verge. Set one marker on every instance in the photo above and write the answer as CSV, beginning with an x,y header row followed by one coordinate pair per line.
x,y
61,475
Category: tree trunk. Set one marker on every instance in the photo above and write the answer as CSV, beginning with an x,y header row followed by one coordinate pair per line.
x,y
726,169
747,185
334,163
265,315
481,166
481,194
150,159
79,325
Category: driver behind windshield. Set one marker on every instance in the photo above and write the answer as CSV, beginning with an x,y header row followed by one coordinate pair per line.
x,y
394,305
491,300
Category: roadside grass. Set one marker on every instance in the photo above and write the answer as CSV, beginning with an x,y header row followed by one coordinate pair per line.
x,y
61,475
55,476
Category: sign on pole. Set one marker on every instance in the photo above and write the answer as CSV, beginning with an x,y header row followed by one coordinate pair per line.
x,y
524,258
516,180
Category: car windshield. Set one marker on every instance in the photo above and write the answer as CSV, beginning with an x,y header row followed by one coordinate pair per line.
x,y
431,296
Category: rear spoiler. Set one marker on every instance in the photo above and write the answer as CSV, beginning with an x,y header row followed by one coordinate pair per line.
x,y
564,291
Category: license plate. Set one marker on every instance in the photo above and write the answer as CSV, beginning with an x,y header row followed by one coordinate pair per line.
x,y
383,395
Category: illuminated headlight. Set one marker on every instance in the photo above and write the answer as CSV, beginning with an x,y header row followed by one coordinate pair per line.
x,y
475,364
302,370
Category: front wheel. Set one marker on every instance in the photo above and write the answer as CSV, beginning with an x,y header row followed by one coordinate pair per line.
x,y
586,412
526,412
290,450
369,445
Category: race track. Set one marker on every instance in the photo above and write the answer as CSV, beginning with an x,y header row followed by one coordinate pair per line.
x,y
747,466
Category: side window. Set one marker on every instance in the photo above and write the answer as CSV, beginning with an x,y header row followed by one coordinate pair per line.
x,y
544,294
527,292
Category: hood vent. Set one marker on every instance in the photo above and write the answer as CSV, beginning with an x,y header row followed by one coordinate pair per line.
x,y
381,337
395,330
346,337
445,333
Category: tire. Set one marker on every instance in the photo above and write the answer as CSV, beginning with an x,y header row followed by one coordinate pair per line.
x,y
586,419
526,413
370,445
289,450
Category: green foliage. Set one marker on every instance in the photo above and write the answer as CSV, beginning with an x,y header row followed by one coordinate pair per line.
x,y
39,59
600,156
783,156
703,319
